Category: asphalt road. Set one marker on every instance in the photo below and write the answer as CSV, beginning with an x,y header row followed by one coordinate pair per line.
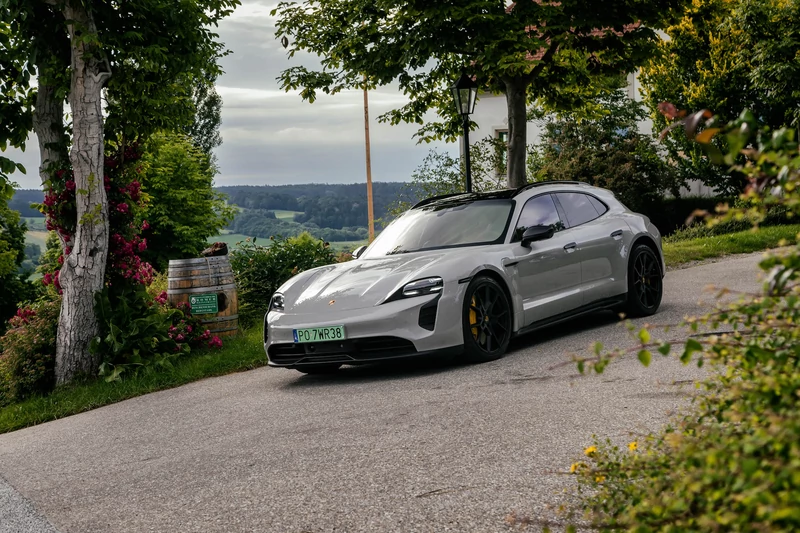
x,y
417,447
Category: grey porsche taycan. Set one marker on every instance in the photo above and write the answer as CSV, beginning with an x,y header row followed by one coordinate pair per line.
x,y
465,273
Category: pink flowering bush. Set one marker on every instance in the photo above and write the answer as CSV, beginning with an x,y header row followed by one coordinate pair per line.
x,y
28,350
124,205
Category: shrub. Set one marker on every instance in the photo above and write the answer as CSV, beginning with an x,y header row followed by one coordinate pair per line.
x,y
27,352
731,463
260,270
139,331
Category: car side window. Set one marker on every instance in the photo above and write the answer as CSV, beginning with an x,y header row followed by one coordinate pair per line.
x,y
578,208
600,206
538,211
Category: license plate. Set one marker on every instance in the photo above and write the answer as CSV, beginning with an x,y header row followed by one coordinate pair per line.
x,y
327,333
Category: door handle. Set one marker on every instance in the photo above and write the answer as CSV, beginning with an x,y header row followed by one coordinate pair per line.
x,y
616,234
571,247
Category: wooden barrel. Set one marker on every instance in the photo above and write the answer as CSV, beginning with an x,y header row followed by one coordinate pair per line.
x,y
207,285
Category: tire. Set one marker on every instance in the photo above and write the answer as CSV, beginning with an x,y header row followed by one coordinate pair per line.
x,y
326,368
487,320
645,283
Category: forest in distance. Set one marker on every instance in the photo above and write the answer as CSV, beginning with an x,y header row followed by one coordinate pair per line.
x,y
332,212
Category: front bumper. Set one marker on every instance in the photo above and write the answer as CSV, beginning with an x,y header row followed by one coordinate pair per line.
x,y
402,328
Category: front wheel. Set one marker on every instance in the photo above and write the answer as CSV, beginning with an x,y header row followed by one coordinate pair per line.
x,y
645,282
486,320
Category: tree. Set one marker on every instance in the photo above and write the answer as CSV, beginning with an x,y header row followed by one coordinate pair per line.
x,y
559,54
608,152
134,52
15,286
182,209
441,173
204,128
726,55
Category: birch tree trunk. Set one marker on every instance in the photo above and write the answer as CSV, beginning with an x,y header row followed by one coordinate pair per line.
x,y
83,272
48,124
516,100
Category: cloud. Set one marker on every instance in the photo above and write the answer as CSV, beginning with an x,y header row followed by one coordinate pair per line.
x,y
274,137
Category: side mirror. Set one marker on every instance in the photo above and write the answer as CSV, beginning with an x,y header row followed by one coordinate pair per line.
x,y
537,233
358,251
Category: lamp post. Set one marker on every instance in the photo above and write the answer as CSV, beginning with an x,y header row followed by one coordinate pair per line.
x,y
465,92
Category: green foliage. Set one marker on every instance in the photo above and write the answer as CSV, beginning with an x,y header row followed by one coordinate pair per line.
x,y
441,173
15,287
554,53
260,270
27,352
182,209
726,55
609,152
730,463
134,333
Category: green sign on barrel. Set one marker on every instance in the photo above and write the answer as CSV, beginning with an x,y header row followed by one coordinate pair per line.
x,y
203,304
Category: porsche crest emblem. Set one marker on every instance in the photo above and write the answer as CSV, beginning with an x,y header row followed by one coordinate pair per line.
x,y
332,302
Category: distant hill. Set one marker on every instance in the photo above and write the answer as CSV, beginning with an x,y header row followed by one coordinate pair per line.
x,y
22,200
334,212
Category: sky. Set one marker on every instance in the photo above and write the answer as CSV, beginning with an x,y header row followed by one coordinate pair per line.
x,y
271,137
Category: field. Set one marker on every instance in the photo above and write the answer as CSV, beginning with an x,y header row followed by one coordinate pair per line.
x,y
35,223
37,237
285,215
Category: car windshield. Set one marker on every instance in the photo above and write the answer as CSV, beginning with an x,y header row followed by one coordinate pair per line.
x,y
444,225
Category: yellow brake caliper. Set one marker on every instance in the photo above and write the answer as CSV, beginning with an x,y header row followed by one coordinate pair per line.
x,y
473,319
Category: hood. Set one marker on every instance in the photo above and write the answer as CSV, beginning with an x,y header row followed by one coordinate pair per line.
x,y
355,284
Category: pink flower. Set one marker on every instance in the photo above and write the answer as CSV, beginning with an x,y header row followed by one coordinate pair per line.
x,y
215,342
123,208
180,337
47,279
70,185
145,225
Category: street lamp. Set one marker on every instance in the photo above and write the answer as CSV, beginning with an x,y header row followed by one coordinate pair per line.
x,y
465,92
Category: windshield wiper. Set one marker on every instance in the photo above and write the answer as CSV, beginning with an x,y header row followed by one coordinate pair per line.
x,y
397,251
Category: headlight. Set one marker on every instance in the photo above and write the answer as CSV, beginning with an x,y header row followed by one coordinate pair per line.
x,y
276,304
423,286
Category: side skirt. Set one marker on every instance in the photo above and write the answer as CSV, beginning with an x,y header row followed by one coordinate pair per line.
x,y
599,305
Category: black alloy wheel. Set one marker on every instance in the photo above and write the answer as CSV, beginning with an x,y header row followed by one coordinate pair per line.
x,y
487,320
645,282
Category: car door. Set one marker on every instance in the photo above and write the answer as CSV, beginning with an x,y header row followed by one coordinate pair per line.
x,y
548,273
600,242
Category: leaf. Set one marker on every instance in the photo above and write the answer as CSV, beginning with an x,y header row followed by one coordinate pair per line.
x,y
644,335
644,357
706,135
692,346
664,348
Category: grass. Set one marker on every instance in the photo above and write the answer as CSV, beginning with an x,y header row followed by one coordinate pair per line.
x,y
37,237
678,252
285,215
231,239
35,223
240,353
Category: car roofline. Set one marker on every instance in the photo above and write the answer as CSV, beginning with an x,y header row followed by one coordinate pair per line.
x,y
511,192
529,186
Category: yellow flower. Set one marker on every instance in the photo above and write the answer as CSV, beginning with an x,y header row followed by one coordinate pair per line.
x,y
591,450
633,446
600,479
575,467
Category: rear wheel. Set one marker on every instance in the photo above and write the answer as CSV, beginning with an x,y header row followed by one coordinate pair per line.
x,y
328,368
486,320
645,282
